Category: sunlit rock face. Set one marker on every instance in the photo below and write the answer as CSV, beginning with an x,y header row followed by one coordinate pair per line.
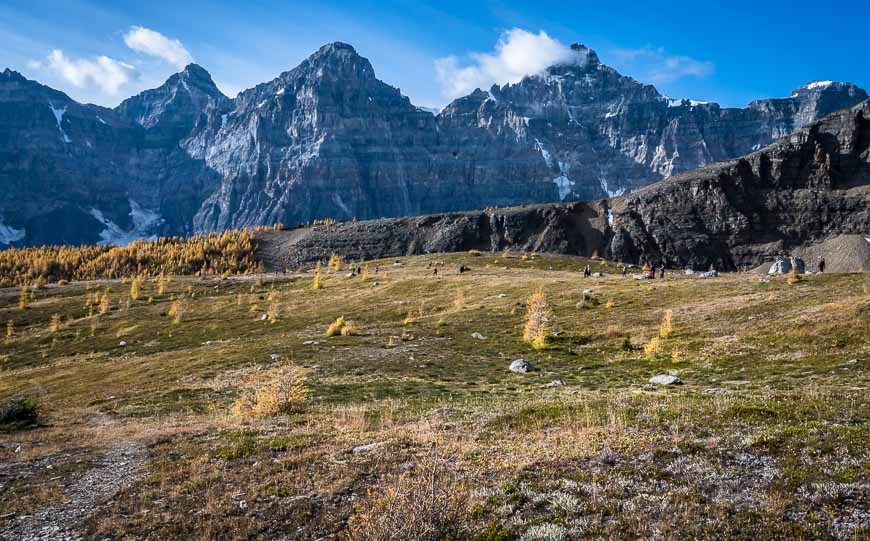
x,y
327,139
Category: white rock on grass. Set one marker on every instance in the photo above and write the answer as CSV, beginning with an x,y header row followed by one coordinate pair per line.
x,y
665,379
478,336
520,366
368,447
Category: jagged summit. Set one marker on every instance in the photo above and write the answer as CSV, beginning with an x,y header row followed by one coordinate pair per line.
x,y
174,107
328,139
11,74
829,87
587,54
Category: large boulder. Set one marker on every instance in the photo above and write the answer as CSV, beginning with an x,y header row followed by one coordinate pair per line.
x,y
785,266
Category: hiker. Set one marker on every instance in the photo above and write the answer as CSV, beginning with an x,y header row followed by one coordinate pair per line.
x,y
821,264
377,269
625,270
662,271
587,272
435,271
652,272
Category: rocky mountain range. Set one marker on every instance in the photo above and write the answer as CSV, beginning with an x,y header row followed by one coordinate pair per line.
x,y
807,194
327,139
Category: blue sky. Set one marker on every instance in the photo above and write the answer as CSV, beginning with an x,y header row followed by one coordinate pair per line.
x,y
729,52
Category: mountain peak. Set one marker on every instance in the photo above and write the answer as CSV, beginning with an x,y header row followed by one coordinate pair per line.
x,y
835,87
336,47
11,74
336,60
195,71
585,54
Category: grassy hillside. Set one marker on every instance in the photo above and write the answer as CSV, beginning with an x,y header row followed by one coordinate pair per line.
x,y
220,408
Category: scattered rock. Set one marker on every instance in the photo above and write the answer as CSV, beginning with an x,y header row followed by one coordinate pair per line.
x,y
368,447
502,295
785,266
709,274
310,343
737,382
263,317
665,379
478,336
275,356
521,366
122,344
715,390
556,383
597,274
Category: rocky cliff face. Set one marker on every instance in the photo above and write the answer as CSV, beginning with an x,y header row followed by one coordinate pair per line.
x,y
806,190
329,140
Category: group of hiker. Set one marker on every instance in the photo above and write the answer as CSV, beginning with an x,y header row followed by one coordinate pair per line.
x,y
650,274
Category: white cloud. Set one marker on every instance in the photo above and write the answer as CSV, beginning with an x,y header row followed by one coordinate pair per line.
x,y
107,74
152,43
518,53
653,64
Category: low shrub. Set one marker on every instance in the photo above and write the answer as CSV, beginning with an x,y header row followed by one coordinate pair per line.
x,y
19,412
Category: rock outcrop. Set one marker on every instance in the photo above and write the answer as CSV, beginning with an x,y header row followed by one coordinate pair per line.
x,y
329,140
804,190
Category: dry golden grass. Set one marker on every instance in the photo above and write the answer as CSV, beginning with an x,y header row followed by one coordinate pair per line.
x,y
428,504
281,392
667,326
653,348
54,325
538,321
335,327
178,310
348,329
318,277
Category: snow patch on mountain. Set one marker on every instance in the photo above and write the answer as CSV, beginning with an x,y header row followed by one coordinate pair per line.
x,y
563,183
144,222
58,116
336,198
819,84
608,191
9,234
544,153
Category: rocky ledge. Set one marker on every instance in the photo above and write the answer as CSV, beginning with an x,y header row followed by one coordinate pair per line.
x,y
808,189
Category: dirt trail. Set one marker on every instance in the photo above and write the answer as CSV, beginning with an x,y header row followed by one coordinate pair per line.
x,y
114,470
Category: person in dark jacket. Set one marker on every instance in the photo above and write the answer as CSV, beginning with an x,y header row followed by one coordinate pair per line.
x,y
821,264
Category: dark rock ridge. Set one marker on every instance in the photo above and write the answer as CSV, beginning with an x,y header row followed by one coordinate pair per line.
x,y
329,140
806,190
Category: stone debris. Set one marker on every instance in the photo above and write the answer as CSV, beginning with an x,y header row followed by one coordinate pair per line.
x,y
521,366
786,265
665,379
478,336
368,447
